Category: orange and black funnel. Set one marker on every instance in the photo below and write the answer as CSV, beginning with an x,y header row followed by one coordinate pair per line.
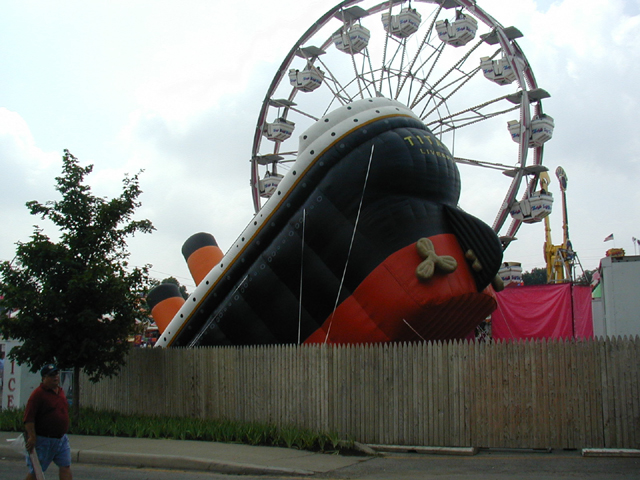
x,y
201,253
164,301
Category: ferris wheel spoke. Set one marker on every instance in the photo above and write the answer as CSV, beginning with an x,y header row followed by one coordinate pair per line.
x,y
431,60
442,126
458,82
366,76
425,42
357,75
358,72
304,114
370,72
455,67
484,164
344,94
477,109
463,76
397,53
424,81
387,37
339,91
402,52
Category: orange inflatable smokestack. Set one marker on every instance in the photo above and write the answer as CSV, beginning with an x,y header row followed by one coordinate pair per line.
x,y
164,301
202,254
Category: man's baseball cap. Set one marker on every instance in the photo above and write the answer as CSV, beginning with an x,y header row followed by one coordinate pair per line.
x,y
49,369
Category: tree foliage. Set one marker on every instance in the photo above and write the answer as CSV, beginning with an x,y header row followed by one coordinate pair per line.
x,y
537,276
75,301
182,288
586,277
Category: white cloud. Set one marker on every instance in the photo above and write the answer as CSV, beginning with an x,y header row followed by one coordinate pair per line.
x,y
26,173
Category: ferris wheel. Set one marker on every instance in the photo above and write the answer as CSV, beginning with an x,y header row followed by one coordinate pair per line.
x,y
451,62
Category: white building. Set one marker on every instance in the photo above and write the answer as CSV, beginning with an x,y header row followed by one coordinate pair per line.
x,y
17,381
617,311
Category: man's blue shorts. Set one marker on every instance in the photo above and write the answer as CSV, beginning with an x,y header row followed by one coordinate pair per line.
x,y
54,450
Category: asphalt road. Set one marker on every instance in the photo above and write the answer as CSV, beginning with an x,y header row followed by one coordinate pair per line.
x,y
15,470
494,465
487,465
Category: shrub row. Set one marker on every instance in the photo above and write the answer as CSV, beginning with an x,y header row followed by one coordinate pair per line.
x,y
101,423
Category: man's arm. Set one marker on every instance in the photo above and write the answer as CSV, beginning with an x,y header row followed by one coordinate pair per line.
x,y
30,441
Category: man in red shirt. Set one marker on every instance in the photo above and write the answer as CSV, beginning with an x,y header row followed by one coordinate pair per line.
x,y
46,421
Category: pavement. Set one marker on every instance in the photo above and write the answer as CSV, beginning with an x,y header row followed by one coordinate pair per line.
x,y
228,458
239,459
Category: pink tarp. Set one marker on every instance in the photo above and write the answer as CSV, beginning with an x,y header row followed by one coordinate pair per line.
x,y
582,313
543,311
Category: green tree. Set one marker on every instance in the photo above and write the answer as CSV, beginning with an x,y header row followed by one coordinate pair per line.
x,y
586,277
77,300
182,288
537,276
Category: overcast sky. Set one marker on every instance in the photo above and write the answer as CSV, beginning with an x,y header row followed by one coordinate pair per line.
x,y
174,88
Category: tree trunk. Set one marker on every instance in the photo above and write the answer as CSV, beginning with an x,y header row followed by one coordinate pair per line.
x,y
75,419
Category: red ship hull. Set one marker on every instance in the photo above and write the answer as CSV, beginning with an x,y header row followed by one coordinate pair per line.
x,y
392,304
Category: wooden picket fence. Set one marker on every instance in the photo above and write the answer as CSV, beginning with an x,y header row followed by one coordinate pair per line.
x,y
527,394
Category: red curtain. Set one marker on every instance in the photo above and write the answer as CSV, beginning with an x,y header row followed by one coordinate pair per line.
x,y
582,313
543,311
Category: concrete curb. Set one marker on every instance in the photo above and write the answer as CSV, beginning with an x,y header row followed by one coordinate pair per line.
x,y
171,462
365,449
610,452
468,451
174,462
